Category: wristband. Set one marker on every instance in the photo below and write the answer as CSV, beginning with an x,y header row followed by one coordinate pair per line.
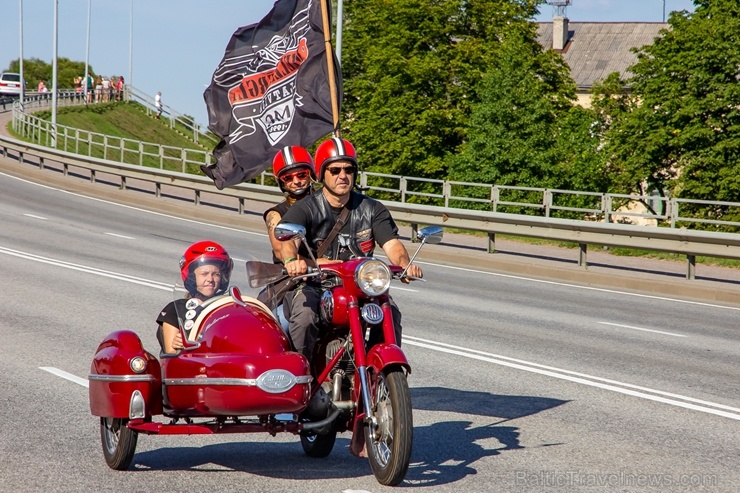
x,y
289,260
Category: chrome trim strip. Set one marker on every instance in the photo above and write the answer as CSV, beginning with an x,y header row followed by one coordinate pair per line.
x,y
245,382
120,378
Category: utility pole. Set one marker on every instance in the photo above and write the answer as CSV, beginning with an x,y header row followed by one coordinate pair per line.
x,y
54,75
87,52
23,79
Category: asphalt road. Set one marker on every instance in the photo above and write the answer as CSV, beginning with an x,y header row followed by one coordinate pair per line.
x,y
519,383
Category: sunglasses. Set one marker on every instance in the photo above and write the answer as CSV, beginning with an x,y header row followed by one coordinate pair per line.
x,y
350,170
301,175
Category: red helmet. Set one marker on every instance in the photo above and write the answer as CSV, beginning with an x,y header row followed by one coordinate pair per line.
x,y
334,149
291,157
205,253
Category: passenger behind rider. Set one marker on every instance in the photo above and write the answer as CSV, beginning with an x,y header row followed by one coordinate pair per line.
x,y
293,169
205,268
369,222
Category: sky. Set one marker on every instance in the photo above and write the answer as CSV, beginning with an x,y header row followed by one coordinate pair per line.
x,y
177,44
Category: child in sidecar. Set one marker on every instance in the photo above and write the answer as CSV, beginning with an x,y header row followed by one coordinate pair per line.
x,y
206,268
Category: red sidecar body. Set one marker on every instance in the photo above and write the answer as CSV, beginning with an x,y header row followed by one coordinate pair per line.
x,y
237,362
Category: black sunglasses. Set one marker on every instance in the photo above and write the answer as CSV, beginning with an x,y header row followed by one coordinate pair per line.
x,y
350,170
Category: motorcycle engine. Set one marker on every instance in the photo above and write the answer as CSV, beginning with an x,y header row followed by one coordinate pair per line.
x,y
346,364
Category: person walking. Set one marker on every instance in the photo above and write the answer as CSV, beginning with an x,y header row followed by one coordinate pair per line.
x,y
158,104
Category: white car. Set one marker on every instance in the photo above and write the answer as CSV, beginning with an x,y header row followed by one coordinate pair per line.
x,y
10,84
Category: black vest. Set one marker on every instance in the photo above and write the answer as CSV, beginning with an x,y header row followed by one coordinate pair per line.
x,y
356,235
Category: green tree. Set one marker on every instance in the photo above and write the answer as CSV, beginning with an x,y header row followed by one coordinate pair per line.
x,y
412,70
526,131
35,70
681,131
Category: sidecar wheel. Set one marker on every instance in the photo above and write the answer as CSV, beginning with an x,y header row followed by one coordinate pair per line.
x,y
388,444
318,446
119,442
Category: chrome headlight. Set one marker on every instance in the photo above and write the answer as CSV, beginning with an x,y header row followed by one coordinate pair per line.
x,y
373,277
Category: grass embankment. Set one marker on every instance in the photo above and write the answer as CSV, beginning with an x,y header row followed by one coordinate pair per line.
x,y
116,131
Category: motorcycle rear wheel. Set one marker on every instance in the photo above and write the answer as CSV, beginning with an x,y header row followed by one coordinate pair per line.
x,y
389,444
119,442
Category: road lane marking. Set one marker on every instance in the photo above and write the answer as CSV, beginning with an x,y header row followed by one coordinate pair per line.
x,y
576,286
644,330
83,268
464,269
121,236
36,217
66,376
138,209
581,378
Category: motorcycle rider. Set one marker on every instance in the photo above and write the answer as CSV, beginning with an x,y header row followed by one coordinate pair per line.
x,y
205,268
369,222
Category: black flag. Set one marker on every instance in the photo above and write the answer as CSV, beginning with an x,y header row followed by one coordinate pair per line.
x,y
270,90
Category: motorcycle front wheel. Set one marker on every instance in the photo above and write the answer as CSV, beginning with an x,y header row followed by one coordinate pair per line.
x,y
388,441
119,442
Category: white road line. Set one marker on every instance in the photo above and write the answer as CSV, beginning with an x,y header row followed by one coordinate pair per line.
x,y
626,293
581,378
36,217
644,330
121,236
89,270
66,376
218,226
576,286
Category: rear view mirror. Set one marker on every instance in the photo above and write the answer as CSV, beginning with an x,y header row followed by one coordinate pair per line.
x,y
288,231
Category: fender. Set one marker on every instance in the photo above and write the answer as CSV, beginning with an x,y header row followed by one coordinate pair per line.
x,y
381,356
113,383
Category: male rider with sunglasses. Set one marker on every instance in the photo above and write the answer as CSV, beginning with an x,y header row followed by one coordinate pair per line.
x,y
293,169
369,222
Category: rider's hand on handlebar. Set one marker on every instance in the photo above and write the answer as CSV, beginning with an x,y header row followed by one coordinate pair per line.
x,y
296,267
413,271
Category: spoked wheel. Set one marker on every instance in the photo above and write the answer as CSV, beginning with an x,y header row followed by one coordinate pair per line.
x,y
119,442
319,446
389,440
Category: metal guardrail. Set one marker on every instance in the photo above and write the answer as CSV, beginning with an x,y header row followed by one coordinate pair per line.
x,y
686,242
445,193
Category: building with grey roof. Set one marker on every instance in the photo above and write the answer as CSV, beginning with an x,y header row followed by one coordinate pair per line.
x,y
593,50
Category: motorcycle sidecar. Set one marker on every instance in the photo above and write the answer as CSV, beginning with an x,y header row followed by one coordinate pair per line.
x,y
238,362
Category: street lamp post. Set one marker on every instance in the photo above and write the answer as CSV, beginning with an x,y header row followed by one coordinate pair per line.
x,y
340,15
87,52
131,47
54,77
23,79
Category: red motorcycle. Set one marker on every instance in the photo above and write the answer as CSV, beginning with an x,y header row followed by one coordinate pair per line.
x,y
238,373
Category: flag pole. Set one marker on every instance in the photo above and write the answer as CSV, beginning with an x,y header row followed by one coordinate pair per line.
x,y
330,67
